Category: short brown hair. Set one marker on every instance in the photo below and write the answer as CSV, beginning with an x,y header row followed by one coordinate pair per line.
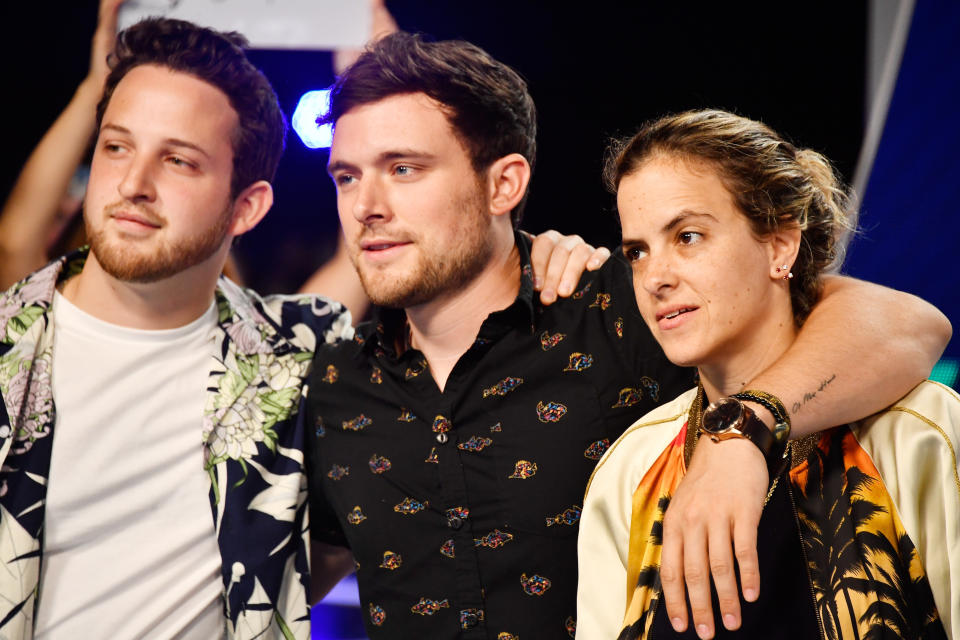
x,y
775,184
487,102
218,59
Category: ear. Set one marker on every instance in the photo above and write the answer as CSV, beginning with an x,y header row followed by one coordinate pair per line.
x,y
250,206
783,247
507,180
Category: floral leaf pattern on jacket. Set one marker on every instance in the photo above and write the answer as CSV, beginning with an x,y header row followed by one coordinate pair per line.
x,y
252,444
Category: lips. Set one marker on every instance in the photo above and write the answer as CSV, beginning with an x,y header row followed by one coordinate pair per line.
x,y
135,217
675,312
381,245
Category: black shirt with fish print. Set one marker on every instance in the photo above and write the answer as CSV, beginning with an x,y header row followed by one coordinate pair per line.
x,y
462,507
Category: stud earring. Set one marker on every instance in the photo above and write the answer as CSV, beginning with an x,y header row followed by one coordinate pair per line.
x,y
785,267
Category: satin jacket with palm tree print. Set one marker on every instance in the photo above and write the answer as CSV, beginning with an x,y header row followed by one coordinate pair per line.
x,y
835,557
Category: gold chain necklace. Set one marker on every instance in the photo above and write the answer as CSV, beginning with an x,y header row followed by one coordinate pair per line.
x,y
693,425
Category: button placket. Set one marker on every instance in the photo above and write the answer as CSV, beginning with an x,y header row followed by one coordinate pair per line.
x,y
469,593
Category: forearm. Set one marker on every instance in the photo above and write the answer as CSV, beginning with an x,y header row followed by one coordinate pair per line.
x,y
863,347
32,206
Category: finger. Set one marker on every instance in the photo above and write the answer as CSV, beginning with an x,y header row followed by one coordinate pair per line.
x,y
671,575
696,573
724,577
558,262
745,548
599,257
576,265
543,245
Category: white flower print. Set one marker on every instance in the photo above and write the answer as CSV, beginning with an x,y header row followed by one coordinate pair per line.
x,y
29,395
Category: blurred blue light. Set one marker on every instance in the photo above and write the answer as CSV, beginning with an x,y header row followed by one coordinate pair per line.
x,y
312,105
338,616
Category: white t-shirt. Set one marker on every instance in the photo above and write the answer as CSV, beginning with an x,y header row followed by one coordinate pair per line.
x,y
129,544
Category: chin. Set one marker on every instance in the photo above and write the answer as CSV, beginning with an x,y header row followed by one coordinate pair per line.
x,y
682,357
386,291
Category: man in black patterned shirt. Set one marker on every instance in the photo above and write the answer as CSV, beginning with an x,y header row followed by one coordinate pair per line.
x,y
453,438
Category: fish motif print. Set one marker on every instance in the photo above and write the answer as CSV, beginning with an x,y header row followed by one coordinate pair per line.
x,y
550,411
569,517
523,469
503,387
535,585
579,361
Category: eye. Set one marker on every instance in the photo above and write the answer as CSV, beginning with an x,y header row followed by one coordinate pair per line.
x,y
689,237
403,170
112,148
177,161
343,179
634,253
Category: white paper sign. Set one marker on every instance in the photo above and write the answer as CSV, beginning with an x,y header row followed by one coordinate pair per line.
x,y
268,24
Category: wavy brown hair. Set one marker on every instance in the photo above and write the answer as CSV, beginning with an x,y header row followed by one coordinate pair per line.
x,y
486,102
774,184
217,58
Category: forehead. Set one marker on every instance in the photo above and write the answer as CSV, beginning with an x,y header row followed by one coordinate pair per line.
x,y
665,186
409,121
151,100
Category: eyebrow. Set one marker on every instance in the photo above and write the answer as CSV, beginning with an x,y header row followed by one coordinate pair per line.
x,y
683,216
175,142
676,221
383,158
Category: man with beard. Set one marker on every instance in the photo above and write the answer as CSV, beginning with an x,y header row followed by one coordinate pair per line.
x,y
453,437
171,502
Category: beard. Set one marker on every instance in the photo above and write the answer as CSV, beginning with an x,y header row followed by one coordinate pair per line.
x,y
438,270
128,262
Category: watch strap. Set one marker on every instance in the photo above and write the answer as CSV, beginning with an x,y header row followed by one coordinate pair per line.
x,y
773,449
749,426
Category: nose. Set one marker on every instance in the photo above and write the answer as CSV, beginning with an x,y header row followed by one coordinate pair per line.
x,y
137,184
658,275
369,202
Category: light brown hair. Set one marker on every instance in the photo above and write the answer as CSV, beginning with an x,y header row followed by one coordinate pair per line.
x,y
774,184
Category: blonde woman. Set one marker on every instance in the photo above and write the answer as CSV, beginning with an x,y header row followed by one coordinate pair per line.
x,y
729,229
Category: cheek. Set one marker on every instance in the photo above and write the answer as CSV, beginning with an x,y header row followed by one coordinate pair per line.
x,y
98,195
215,188
644,302
344,208
101,180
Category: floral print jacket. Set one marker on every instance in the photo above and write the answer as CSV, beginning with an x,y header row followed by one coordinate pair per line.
x,y
251,436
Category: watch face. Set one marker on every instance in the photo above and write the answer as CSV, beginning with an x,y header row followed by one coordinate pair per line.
x,y
722,415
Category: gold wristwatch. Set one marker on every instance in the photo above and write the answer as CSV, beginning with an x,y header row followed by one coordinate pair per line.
x,y
730,418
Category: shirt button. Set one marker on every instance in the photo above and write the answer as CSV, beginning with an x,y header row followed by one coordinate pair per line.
x,y
442,438
468,619
455,522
